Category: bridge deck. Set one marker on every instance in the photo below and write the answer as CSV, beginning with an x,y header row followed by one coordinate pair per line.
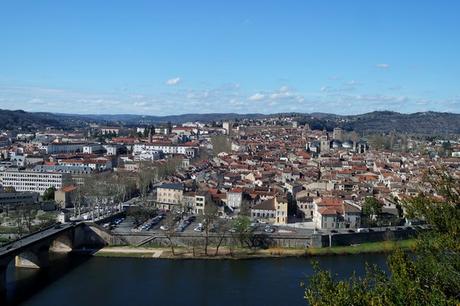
x,y
24,242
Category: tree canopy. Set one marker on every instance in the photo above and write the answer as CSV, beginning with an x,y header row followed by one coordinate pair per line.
x,y
48,195
429,275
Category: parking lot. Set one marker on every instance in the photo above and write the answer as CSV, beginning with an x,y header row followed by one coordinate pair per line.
x,y
194,224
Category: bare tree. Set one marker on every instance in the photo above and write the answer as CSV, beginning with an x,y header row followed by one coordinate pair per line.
x,y
210,215
169,232
222,231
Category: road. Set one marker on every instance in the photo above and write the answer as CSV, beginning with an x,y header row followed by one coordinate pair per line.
x,y
32,238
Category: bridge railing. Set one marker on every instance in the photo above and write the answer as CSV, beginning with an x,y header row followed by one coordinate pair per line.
x,y
28,235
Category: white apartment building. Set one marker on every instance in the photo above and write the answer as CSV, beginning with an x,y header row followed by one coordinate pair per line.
x,y
147,156
97,164
165,148
33,181
93,148
56,148
195,202
234,198
112,149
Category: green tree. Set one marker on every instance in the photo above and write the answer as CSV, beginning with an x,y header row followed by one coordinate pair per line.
x,y
428,276
221,143
146,132
371,209
49,194
241,226
141,214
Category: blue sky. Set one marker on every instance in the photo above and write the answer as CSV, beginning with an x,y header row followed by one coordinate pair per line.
x,y
173,57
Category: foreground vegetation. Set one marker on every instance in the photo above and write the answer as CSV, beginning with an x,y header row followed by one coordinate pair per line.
x,y
430,275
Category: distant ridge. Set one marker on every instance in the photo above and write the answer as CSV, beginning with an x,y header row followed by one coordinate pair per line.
x,y
426,123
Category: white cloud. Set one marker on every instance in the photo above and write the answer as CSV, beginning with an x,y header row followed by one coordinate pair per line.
x,y
382,66
256,97
279,95
173,81
224,98
284,89
352,82
140,104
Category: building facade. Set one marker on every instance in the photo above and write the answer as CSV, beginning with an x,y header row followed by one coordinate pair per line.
x,y
33,181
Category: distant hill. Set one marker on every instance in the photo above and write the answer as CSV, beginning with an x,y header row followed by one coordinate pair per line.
x,y
28,121
18,119
426,123
136,119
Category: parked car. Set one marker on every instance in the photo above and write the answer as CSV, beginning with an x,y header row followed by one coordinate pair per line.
x,y
269,229
362,230
164,228
351,231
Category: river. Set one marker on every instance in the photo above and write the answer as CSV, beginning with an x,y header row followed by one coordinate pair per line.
x,y
87,281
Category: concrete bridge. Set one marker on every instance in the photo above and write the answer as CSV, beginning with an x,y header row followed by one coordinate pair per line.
x,y
33,251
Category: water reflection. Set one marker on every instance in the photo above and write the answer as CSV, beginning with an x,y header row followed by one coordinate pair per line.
x,y
132,281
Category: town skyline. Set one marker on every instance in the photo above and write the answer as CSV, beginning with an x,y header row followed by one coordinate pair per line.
x,y
294,152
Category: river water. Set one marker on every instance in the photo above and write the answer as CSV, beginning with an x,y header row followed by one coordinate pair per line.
x,y
87,281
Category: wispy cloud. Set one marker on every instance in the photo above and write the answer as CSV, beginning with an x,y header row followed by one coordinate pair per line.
x,y
173,81
382,66
225,98
256,97
352,83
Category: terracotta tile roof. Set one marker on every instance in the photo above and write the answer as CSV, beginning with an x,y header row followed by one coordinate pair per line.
x,y
328,211
330,202
69,188
266,205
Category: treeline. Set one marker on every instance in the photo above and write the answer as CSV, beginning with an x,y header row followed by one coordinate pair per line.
x,y
429,275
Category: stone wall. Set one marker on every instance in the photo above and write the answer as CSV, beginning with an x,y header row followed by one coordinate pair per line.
x,y
358,238
182,239
316,240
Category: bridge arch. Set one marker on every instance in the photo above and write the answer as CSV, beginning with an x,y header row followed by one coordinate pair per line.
x,y
35,258
62,243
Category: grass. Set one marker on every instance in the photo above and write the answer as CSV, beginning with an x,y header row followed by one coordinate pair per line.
x,y
116,254
4,240
370,247
243,253
8,229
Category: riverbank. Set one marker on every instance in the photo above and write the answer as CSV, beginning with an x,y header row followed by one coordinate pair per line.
x,y
244,253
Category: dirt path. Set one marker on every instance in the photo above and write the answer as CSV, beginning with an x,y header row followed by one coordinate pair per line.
x,y
120,250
